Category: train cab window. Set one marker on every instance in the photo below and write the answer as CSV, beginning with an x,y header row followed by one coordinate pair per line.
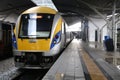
x,y
36,25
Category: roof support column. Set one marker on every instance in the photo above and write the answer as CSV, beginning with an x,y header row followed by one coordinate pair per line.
x,y
88,18
101,32
114,29
100,14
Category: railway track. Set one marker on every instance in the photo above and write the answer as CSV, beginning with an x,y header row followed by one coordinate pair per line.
x,y
31,74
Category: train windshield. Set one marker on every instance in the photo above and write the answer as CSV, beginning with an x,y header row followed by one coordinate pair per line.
x,y
36,25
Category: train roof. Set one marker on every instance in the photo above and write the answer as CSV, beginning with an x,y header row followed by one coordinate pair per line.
x,y
40,9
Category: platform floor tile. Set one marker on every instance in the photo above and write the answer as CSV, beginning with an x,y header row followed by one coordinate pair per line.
x,y
68,66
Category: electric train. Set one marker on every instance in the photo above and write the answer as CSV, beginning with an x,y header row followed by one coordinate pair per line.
x,y
39,36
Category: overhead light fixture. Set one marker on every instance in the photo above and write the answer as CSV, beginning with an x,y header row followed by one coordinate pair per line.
x,y
47,3
109,16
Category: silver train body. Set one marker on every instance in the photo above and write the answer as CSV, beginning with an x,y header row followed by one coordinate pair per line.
x,y
39,36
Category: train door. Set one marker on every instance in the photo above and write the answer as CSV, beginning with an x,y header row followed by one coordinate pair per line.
x,y
1,40
118,38
5,40
118,35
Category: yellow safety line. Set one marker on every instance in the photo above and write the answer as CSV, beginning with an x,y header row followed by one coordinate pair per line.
x,y
94,71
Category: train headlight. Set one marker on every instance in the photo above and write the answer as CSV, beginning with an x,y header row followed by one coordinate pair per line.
x,y
56,39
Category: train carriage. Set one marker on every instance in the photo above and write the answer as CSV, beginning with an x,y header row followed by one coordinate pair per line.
x,y
39,36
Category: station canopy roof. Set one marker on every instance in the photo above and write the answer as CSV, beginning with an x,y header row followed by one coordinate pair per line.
x,y
65,6
68,7
88,7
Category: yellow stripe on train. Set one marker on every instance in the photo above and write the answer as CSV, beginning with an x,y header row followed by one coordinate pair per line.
x,y
58,28
36,44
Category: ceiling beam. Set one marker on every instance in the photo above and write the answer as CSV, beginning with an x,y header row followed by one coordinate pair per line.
x,y
94,9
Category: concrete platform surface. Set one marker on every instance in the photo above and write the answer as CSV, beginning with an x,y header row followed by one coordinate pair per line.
x,y
68,66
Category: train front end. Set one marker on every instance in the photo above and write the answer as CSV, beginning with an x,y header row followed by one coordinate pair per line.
x,y
35,36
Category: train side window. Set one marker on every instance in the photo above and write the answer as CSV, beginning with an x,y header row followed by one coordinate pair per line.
x,y
64,29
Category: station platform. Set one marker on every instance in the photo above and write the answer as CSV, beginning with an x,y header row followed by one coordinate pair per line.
x,y
8,69
68,66
85,61
108,62
79,61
